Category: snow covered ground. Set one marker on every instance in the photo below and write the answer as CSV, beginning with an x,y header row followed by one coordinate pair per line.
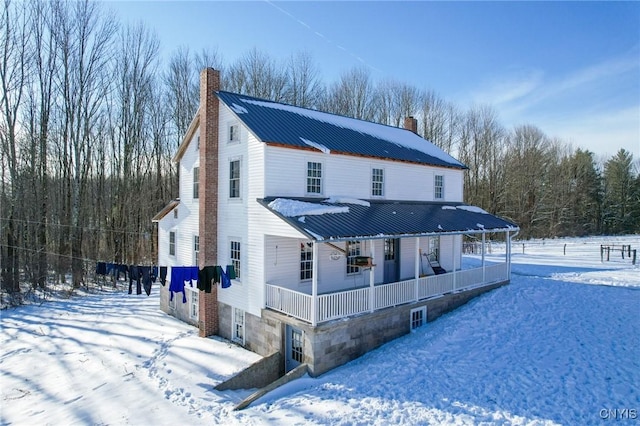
x,y
560,345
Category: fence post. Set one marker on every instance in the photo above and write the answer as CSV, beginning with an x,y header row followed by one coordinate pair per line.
x,y
608,252
565,250
601,253
634,257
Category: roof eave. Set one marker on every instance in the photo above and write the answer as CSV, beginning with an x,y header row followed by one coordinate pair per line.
x,y
187,137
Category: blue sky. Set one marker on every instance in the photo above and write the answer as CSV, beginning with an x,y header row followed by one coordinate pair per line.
x,y
570,68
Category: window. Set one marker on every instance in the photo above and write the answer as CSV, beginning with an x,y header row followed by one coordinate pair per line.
x,y
175,213
297,350
434,249
172,302
234,133
353,250
377,182
238,325
196,248
418,317
234,179
438,190
389,249
235,257
193,302
306,261
314,178
198,142
172,243
196,183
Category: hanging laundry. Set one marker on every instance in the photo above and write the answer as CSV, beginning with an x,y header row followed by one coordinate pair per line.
x,y
145,273
163,275
224,278
120,269
231,272
180,275
134,275
206,276
101,268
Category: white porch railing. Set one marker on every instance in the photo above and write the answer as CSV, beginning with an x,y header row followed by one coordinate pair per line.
x,y
351,302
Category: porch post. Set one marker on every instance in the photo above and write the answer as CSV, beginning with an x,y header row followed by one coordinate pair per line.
x,y
508,254
314,284
453,245
417,266
372,276
483,246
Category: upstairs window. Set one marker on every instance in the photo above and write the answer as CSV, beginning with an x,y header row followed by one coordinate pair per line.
x,y
196,183
234,179
196,248
172,243
314,178
438,190
306,261
377,182
234,133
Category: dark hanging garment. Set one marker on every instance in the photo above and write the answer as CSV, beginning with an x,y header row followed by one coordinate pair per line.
x,y
101,268
145,272
134,275
205,278
154,274
231,272
163,275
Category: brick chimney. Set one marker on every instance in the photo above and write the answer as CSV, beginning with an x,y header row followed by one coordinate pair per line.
x,y
208,195
411,123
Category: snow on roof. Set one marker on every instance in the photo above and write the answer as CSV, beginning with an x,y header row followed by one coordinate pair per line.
x,y
290,208
238,109
398,136
316,145
473,209
348,200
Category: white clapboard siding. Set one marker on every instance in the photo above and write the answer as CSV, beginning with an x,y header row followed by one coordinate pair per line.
x,y
286,173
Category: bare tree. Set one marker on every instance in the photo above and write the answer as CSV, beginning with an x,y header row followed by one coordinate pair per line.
x,y
440,121
84,37
14,68
257,74
352,95
303,85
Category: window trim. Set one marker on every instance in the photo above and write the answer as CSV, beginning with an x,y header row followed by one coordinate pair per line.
x,y
414,322
309,182
242,326
233,137
193,299
238,180
374,182
196,248
438,188
196,183
173,239
237,263
350,257
306,263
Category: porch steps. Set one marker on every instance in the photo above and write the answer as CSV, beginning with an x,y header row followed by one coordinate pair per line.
x,y
296,373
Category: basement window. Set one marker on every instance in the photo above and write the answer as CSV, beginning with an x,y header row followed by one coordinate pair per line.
x,y
418,317
238,325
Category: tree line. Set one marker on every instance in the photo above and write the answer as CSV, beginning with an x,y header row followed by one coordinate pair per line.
x,y
90,118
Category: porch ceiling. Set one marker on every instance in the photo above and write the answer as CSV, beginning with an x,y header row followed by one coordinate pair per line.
x,y
347,219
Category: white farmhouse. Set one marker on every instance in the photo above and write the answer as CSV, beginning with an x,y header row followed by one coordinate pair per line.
x,y
343,234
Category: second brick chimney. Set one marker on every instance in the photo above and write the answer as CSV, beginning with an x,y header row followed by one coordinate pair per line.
x,y
411,123
208,195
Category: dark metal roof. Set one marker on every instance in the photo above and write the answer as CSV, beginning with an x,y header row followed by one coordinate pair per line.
x,y
381,218
274,122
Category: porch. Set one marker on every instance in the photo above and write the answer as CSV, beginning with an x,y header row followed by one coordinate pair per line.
x,y
343,304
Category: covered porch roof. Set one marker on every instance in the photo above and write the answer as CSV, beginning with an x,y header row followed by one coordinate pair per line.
x,y
340,218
